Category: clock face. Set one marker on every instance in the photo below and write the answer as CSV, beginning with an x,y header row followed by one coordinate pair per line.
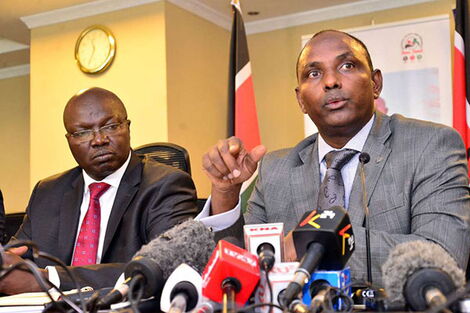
x,y
95,49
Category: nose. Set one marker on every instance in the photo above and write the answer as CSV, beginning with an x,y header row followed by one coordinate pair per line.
x,y
99,138
331,80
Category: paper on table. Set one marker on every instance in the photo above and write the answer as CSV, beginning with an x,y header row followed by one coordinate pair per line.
x,y
33,298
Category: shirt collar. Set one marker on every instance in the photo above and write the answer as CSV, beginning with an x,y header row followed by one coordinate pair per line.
x,y
356,143
113,179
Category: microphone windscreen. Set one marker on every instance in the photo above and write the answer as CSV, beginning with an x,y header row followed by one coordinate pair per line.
x,y
190,242
408,257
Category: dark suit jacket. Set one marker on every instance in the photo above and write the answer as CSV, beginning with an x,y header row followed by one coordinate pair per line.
x,y
151,198
416,182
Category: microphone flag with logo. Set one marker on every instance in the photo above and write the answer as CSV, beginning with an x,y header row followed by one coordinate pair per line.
x,y
333,229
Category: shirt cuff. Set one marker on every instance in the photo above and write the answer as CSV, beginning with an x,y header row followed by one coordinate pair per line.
x,y
53,275
219,221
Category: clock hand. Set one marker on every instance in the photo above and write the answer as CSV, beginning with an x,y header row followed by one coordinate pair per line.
x,y
92,52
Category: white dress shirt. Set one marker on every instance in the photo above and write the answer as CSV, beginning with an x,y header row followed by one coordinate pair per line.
x,y
106,204
349,169
224,220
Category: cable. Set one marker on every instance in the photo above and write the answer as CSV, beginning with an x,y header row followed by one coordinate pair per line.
x,y
72,277
266,271
347,302
31,268
36,253
254,306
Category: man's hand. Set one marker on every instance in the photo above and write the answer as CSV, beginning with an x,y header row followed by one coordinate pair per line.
x,y
228,165
18,281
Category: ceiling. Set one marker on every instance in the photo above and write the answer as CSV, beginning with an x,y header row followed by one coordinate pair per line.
x,y
15,35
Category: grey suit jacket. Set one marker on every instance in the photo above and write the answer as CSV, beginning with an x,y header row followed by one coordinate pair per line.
x,y
416,182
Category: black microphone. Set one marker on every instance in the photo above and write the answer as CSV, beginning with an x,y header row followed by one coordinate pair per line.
x,y
364,158
190,242
421,274
266,257
325,240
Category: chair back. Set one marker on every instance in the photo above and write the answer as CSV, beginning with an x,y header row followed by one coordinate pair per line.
x,y
166,153
13,222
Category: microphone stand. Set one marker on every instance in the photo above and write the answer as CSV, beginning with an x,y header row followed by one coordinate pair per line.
x,y
377,297
230,287
364,158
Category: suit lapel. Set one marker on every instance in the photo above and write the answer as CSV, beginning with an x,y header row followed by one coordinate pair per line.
x,y
378,150
127,189
304,176
69,215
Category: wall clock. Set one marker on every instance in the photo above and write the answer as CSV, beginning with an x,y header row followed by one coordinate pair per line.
x,y
95,49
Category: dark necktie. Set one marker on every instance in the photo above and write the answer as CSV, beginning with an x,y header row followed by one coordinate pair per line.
x,y
332,188
88,238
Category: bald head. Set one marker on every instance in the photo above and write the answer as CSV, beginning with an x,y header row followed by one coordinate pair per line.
x,y
97,131
91,97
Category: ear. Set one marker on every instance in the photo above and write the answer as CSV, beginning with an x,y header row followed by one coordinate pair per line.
x,y
377,81
300,101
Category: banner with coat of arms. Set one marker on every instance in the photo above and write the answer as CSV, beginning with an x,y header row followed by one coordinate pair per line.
x,y
415,59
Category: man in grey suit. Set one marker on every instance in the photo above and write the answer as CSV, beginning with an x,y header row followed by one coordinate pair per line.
x,y
416,180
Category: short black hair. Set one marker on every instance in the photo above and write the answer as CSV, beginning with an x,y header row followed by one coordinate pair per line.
x,y
369,60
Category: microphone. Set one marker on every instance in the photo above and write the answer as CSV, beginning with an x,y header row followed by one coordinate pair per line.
x,y
326,241
371,297
143,271
231,275
315,292
182,291
421,274
321,291
364,158
279,277
265,240
190,242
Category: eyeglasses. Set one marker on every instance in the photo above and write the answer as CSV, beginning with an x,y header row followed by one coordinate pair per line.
x,y
89,134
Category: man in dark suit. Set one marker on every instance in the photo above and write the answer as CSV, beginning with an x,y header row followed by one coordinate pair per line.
x,y
98,231
416,180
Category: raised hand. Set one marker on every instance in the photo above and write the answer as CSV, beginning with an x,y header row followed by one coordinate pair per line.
x,y
228,164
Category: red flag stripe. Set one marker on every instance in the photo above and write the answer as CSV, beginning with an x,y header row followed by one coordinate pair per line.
x,y
461,112
246,127
242,106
